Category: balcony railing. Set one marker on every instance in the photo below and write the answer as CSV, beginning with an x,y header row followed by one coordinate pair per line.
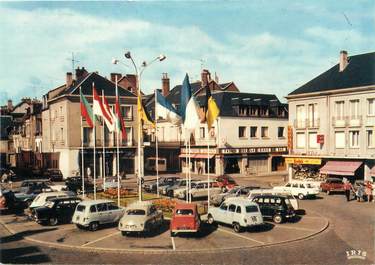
x,y
370,121
300,123
355,120
340,121
313,123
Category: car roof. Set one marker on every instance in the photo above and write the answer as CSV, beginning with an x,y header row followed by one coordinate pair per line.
x,y
186,206
338,179
35,180
270,196
65,198
139,205
55,193
94,202
241,201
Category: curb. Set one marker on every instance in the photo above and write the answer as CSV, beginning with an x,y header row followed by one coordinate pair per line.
x,y
168,251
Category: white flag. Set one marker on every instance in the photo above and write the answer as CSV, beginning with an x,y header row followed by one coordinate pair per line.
x,y
192,120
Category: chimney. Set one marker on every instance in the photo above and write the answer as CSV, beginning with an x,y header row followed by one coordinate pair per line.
x,y
129,82
343,60
10,105
69,79
113,77
206,76
81,72
165,84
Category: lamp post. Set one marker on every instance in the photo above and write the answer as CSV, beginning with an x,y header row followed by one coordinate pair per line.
x,y
138,87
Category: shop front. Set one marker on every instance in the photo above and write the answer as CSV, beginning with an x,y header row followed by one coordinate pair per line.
x,y
198,160
303,167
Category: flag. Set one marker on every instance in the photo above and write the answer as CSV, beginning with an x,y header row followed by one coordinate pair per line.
x,y
165,110
120,125
192,119
185,96
98,107
212,110
86,111
142,113
110,126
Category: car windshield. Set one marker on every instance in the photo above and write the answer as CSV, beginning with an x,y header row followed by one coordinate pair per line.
x,y
81,208
184,212
251,209
49,204
309,186
136,212
233,191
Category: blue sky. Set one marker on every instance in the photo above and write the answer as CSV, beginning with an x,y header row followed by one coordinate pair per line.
x,y
263,46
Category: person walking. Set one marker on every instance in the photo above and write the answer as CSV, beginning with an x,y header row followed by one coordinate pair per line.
x,y
359,193
348,187
368,191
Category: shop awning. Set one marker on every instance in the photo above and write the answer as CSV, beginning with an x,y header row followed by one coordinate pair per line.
x,y
203,156
186,155
372,172
342,168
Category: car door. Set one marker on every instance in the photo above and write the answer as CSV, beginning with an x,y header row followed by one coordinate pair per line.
x,y
102,214
259,201
229,217
61,211
267,207
302,189
221,212
295,189
114,212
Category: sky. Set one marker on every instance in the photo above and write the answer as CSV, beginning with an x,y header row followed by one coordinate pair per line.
x,y
268,47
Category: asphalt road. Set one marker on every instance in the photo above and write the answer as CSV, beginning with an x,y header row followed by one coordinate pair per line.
x,y
351,228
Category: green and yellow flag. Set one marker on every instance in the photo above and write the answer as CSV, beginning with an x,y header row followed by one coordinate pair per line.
x,y
142,113
212,110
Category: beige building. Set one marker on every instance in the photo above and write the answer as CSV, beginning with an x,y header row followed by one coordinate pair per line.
x,y
332,120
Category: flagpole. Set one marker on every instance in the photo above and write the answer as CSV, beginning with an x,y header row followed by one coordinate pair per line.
x,y
94,128
82,161
156,146
117,147
189,168
208,167
103,137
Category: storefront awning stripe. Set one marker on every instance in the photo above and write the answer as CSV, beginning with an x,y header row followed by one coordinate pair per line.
x,y
203,156
342,168
186,156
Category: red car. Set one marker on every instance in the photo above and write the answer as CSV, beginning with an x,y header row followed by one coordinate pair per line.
x,y
332,184
226,182
185,218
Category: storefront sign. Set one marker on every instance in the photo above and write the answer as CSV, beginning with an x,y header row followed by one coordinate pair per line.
x,y
198,151
253,150
320,138
290,137
302,160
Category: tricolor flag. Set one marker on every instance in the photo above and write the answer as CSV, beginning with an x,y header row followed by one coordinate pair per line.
x,y
142,113
190,111
119,121
165,110
98,107
86,111
110,126
212,110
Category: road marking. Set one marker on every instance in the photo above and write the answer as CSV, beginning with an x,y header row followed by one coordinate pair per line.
x,y
241,236
295,228
99,239
173,244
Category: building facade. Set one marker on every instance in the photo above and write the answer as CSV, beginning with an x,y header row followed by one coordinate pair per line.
x,y
332,120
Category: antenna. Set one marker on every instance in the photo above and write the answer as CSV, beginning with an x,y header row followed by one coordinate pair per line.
x,y
73,60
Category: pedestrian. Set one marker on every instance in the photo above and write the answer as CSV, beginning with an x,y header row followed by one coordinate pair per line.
x,y
359,193
348,187
368,190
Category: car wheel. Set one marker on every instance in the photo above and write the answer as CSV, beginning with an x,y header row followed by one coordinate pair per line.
x,y
94,226
173,234
124,233
170,193
301,196
236,227
79,226
210,219
278,219
52,221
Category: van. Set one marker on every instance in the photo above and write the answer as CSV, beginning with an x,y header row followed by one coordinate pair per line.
x,y
293,200
150,164
43,197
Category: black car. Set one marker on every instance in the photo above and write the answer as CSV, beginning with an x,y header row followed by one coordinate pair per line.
x,y
53,174
9,202
163,181
56,211
277,208
75,184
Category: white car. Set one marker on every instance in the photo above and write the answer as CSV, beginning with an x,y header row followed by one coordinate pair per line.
x,y
300,189
181,192
90,214
43,197
200,189
289,197
238,212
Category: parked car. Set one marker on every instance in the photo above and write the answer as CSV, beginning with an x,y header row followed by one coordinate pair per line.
x,y
75,184
292,200
180,192
200,190
110,182
226,182
169,190
185,218
30,189
164,181
238,212
332,185
43,197
92,213
140,217
53,174
56,211
300,189
275,207
7,175
9,202
218,198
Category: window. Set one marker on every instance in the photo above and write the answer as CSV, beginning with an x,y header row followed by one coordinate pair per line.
x,y
81,208
112,206
354,109
301,116
339,110
313,115
212,132
102,207
280,132
184,212
288,185
264,132
238,210
241,132
251,209
354,139
87,135
370,139
62,134
295,185
93,209
224,206
232,208
301,140
371,107
253,131
340,139
313,140
202,132
127,112
129,135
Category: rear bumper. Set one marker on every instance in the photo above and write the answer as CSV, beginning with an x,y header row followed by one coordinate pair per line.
x,y
184,230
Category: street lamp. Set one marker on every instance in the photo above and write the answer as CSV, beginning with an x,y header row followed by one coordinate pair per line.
x,y
160,58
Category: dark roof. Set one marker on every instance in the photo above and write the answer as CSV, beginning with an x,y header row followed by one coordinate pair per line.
x,y
174,95
359,72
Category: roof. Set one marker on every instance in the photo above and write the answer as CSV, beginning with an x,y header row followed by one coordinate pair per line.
x,y
239,200
358,73
92,202
137,205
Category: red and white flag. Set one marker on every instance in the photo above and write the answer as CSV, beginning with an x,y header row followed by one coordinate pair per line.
x,y
99,109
